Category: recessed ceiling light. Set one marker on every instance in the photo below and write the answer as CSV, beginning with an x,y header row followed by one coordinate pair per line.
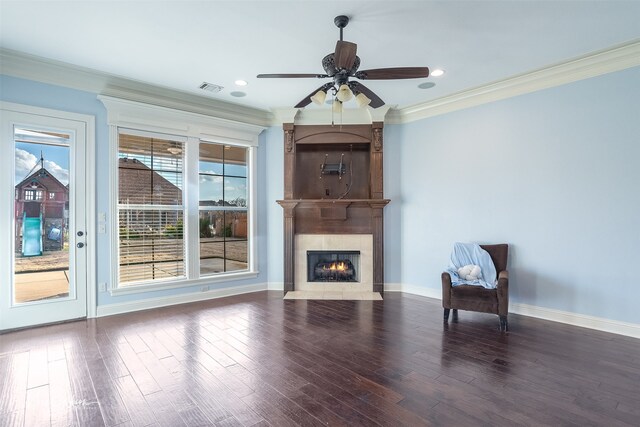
x,y
237,94
240,83
426,85
437,72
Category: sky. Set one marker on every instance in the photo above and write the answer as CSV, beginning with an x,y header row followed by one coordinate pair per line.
x,y
56,160
211,188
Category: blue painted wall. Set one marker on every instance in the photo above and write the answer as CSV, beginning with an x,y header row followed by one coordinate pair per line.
x,y
554,173
274,145
59,98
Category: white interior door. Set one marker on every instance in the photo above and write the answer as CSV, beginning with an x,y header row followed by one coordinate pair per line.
x,y
43,220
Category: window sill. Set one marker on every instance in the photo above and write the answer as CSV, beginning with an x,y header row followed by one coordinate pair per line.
x,y
184,283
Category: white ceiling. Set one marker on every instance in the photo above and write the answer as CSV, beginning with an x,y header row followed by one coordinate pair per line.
x,y
180,44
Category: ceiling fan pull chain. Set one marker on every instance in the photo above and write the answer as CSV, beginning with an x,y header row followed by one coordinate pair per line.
x,y
332,109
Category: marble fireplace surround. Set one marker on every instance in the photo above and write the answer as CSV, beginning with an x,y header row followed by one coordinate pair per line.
x,y
337,242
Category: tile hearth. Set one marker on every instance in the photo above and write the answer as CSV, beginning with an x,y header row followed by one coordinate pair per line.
x,y
334,295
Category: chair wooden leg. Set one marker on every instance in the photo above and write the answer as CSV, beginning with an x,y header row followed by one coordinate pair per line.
x,y
455,316
504,325
446,315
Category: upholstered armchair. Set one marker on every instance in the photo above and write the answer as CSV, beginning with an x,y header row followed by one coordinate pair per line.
x,y
477,298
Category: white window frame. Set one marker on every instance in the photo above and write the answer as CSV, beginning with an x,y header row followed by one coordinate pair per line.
x,y
152,207
250,173
195,128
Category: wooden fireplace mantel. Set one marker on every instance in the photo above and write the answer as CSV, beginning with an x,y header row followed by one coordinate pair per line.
x,y
373,203
357,212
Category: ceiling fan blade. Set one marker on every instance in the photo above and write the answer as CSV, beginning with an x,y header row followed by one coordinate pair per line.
x,y
345,54
375,99
393,73
290,76
307,100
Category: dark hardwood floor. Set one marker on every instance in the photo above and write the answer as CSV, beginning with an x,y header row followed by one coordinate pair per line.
x,y
256,360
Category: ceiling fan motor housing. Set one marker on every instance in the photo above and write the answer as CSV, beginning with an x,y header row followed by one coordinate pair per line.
x,y
329,65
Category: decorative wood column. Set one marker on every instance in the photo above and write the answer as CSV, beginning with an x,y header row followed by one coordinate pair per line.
x,y
376,208
376,161
289,208
289,160
378,244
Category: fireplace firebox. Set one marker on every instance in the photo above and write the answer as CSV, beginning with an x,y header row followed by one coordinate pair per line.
x,y
333,266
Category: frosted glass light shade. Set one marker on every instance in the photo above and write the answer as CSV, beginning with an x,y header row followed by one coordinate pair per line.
x,y
344,93
362,100
337,106
319,97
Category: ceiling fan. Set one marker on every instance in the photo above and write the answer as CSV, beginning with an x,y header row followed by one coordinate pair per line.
x,y
341,65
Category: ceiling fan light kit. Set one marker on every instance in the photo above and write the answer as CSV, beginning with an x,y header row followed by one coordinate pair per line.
x,y
344,93
341,65
362,100
319,97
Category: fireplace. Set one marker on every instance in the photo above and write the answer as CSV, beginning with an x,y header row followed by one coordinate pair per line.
x,y
333,266
314,250
333,212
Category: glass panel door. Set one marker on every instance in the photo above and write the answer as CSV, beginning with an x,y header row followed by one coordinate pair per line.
x,y
41,206
43,279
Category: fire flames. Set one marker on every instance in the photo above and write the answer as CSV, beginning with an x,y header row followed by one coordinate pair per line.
x,y
336,266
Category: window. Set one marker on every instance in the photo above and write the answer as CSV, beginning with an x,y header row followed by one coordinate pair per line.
x,y
52,196
33,194
223,215
182,193
150,208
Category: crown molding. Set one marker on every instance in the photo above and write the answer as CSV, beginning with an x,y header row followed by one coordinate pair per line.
x,y
44,70
22,65
616,58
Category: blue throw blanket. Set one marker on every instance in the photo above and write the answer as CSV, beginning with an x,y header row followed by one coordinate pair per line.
x,y
471,253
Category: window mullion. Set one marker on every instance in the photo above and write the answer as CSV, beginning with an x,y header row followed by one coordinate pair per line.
x,y
251,209
191,203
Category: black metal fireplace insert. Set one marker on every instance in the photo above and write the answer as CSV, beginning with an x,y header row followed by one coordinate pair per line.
x,y
333,266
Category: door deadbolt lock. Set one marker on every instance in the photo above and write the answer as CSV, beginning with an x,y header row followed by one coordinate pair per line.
x,y
80,245
80,233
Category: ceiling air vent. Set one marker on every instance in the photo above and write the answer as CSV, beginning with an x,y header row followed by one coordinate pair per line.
x,y
210,87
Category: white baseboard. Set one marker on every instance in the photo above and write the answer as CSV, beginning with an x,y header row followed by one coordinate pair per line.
x,y
415,290
574,319
149,303
392,287
275,286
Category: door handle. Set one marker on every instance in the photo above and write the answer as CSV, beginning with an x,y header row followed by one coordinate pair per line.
x,y
80,245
